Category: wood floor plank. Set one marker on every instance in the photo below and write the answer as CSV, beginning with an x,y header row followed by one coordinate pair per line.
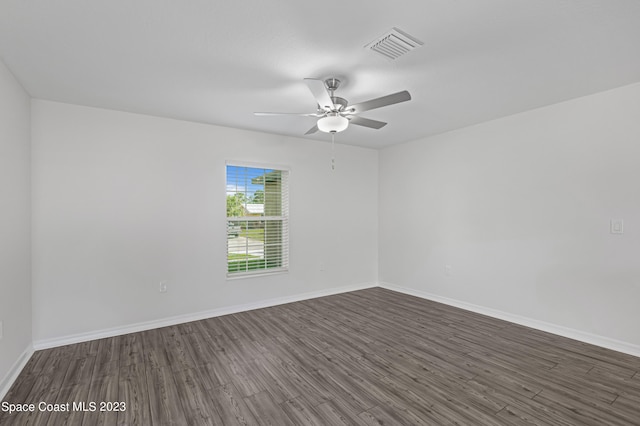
x,y
589,410
274,380
153,349
231,407
513,416
266,410
516,403
164,399
527,413
243,379
296,376
344,384
134,392
371,356
38,361
197,406
45,388
398,404
80,371
26,390
302,412
68,397
107,357
21,390
335,412
103,389
178,356
199,348
537,379
131,350
444,403
378,416
628,406
218,372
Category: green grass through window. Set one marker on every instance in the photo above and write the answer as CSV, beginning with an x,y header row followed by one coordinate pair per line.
x,y
246,262
254,234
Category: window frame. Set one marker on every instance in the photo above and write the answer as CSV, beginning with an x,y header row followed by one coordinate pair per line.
x,y
283,219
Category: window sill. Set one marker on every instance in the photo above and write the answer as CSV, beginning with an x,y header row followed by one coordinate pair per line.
x,y
242,275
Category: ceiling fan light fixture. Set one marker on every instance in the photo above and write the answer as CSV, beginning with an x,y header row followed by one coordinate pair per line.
x,y
333,123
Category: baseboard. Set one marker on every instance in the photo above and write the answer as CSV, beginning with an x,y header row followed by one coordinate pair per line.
x,y
14,371
149,325
594,339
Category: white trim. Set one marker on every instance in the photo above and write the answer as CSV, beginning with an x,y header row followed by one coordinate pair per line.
x,y
265,166
252,274
179,319
254,218
14,371
594,339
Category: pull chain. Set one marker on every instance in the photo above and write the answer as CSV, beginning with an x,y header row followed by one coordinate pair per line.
x,y
333,151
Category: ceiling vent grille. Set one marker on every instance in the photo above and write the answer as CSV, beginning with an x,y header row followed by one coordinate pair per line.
x,y
394,44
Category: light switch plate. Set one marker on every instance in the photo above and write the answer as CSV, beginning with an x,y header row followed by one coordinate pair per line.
x,y
617,226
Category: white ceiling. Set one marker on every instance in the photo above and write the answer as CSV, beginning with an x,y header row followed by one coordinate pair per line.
x,y
217,62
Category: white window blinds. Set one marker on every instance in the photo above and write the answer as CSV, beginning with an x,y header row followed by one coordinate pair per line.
x,y
257,220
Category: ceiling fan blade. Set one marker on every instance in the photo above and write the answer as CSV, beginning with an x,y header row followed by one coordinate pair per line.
x,y
319,92
311,114
366,122
380,102
312,130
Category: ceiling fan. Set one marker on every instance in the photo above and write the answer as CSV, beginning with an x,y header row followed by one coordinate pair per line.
x,y
335,114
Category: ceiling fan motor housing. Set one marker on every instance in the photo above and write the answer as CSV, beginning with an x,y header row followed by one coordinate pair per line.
x,y
339,103
332,84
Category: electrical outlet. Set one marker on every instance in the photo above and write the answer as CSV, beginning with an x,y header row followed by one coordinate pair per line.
x,y
616,226
322,266
447,270
163,287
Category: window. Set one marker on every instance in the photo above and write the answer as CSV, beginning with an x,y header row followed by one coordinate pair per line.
x,y
257,220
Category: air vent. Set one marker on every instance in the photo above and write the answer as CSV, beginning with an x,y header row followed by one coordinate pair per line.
x,y
394,44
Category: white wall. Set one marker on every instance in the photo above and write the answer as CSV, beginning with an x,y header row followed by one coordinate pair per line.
x,y
15,218
122,201
520,209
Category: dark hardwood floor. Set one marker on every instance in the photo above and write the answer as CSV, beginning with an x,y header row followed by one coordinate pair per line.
x,y
368,357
